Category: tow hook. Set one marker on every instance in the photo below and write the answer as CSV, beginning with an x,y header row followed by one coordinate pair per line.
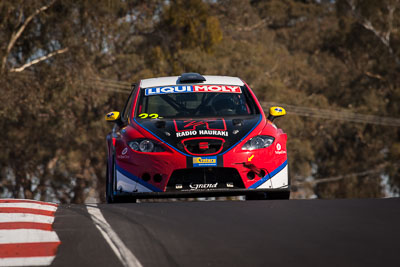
x,y
253,170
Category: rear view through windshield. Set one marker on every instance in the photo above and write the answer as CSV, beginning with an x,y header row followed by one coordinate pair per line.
x,y
184,101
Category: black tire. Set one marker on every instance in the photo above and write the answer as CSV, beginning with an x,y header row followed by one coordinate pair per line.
x,y
110,181
110,198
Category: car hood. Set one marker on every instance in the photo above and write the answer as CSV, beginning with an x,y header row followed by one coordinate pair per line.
x,y
201,136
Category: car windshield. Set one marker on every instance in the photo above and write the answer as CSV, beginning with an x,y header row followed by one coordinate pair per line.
x,y
167,102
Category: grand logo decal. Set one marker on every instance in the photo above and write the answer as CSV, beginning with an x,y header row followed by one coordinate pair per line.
x,y
204,161
193,89
200,127
203,186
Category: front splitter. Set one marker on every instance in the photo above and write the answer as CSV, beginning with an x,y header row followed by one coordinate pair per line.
x,y
270,193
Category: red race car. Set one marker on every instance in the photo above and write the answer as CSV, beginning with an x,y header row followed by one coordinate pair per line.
x,y
194,135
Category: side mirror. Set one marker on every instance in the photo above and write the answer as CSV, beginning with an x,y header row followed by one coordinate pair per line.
x,y
113,116
275,112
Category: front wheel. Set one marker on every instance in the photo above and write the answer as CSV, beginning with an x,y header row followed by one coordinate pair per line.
x,y
110,198
110,186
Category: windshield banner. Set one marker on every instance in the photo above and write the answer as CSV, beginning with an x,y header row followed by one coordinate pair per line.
x,y
193,89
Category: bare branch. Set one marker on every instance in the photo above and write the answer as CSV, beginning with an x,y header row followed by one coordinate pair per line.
x,y
351,4
27,65
391,10
346,176
367,24
377,170
384,37
17,34
21,13
372,75
261,23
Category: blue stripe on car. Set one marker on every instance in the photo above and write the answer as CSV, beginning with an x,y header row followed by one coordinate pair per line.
x,y
259,120
156,136
267,177
137,179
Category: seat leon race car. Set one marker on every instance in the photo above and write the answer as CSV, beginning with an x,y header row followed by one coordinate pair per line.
x,y
194,135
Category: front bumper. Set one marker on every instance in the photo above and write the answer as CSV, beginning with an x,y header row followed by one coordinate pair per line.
x,y
173,172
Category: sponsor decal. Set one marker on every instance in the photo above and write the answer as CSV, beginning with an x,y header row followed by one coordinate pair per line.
x,y
217,88
204,161
189,127
278,149
187,133
213,132
193,89
202,132
123,154
203,186
151,116
169,90
190,124
278,109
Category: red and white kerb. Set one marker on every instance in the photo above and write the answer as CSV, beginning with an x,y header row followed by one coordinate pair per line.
x,y
26,234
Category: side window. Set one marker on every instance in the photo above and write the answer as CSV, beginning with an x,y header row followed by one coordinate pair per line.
x,y
128,105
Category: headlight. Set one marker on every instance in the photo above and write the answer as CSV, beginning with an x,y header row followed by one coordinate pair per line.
x,y
145,145
257,142
134,145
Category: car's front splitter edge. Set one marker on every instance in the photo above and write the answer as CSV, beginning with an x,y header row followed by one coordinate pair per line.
x,y
200,193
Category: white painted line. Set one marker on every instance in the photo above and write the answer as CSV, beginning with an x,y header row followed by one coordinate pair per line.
x,y
28,261
25,217
27,236
116,244
28,206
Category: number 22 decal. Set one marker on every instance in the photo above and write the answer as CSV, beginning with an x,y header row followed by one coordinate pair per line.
x,y
151,116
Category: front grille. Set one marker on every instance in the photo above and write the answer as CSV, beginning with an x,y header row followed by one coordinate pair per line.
x,y
193,147
205,179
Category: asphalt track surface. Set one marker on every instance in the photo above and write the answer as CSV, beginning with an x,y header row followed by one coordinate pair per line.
x,y
363,232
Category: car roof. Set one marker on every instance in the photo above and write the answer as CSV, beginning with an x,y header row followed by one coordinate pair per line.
x,y
173,80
